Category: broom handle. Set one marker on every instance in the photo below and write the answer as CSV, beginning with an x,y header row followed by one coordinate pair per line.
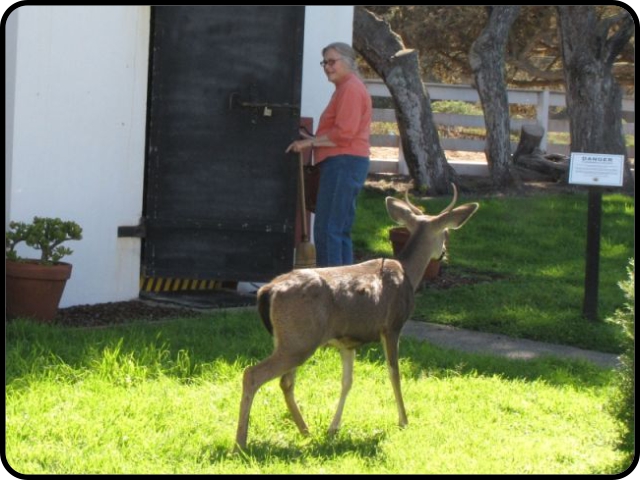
x,y
303,207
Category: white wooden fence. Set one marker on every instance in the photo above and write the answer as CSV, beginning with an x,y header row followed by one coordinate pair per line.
x,y
541,99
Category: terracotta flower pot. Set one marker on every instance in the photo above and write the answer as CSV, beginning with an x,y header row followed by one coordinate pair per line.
x,y
34,290
399,237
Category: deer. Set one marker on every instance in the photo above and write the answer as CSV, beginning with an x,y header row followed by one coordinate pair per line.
x,y
346,307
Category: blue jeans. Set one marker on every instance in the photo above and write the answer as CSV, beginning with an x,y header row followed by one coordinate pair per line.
x,y
341,179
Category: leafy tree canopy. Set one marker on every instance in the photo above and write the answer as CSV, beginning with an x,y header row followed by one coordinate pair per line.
x,y
443,35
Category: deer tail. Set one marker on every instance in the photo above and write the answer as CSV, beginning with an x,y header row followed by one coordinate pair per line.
x,y
264,307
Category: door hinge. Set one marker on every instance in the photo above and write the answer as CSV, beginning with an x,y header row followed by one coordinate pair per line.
x,y
136,231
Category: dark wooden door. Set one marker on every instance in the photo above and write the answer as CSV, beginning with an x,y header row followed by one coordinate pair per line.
x,y
224,100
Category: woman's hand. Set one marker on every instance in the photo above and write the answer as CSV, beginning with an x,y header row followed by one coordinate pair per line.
x,y
300,145
310,142
304,133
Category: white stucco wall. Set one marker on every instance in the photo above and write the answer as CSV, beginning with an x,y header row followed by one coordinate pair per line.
x,y
79,134
76,120
11,39
323,25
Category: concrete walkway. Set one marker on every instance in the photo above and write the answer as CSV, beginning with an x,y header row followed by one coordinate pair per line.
x,y
493,344
441,335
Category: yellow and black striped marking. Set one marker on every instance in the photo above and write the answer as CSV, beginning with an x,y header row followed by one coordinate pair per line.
x,y
155,284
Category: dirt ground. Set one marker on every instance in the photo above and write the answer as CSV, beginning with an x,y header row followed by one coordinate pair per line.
x,y
390,153
532,183
116,313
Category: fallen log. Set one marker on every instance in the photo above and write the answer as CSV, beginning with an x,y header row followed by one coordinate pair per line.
x,y
530,138
556,171
529,156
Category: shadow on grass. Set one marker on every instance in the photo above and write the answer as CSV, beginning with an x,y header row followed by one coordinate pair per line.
x,y
421,359
180,348
318,447
175,348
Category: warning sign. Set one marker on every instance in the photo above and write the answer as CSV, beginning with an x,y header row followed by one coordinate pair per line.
x,y
596,169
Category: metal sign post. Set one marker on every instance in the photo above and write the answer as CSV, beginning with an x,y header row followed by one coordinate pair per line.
x,y
595,170
592,269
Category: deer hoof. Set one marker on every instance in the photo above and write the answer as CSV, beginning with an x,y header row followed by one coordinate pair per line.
x,y
332,432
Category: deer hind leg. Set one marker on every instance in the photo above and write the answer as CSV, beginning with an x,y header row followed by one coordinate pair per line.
x,y
348,358
287,382
254,377
390,343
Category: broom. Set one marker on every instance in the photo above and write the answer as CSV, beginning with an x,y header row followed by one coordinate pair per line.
x,y
306,251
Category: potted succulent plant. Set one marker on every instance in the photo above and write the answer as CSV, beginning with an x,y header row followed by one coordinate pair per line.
x,y
35,286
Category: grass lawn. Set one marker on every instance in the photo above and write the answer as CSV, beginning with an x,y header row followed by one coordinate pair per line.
x,y
164,397
532,252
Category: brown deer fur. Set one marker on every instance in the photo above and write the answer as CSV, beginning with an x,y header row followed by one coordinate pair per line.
x,y
346,307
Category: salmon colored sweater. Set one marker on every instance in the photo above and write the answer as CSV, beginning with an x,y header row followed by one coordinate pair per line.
x,y
346,121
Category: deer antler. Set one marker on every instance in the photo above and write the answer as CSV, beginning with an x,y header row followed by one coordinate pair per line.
x,y
453,202
413,208
417,211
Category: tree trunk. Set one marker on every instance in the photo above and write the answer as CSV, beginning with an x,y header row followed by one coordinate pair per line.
x,y
594,98
487,62
530,139
399,68
529,158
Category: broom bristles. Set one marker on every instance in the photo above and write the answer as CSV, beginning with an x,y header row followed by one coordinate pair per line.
x,y
305,255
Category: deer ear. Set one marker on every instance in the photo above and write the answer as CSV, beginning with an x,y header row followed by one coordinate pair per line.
x,y
400,212
457,217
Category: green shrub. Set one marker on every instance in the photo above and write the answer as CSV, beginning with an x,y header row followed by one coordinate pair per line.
x,y
624,403
44,234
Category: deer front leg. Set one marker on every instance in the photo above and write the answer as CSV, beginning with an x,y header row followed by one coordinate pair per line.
x,y
390,343
348,358
287,382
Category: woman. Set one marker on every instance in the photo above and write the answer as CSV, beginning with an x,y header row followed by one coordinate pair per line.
x,y
341,149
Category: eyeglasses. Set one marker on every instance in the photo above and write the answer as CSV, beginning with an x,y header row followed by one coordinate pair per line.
x,y
330,62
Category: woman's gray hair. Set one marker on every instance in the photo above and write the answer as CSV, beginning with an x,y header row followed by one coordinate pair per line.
x,y
347,53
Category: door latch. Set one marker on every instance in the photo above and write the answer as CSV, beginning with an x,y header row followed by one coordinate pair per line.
x,y
266,108
136,231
